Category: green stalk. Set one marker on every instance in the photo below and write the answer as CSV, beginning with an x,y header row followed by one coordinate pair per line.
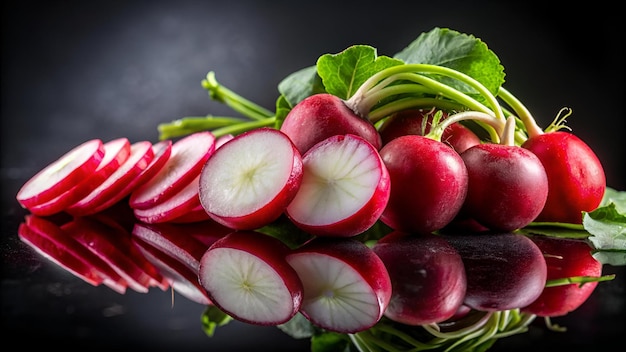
x,y
191,124
235,101
522,112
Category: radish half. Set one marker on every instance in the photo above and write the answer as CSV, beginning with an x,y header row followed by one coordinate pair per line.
x,y
346,285
344,190
246,275
249,181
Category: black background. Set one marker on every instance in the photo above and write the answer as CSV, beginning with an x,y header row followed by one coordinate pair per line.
x,y
76,70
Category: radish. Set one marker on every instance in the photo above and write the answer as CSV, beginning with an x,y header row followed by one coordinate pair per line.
x,y
249,181
177,205
504,270
346,285
507,186
565,258
576,179
141,155
115,154
575,174
412,121
320,116
344,190
428,184
187,158
427,276
161,151
197,214
52,235
62,174
246,275
112,248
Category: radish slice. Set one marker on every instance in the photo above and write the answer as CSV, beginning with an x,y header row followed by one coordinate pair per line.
x,y
61,175
162,151
344,190
187,158
141,155
249,181
197,214
177,205
246,276
116,152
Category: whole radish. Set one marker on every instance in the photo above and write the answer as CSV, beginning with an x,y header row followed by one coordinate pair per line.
x,y
565,258
428,184
507,185
576,177
323,115
412,121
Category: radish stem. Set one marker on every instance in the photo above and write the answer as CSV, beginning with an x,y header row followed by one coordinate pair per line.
x,y
238,103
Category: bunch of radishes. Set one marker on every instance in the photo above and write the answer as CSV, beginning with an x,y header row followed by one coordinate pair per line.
x,y
447,170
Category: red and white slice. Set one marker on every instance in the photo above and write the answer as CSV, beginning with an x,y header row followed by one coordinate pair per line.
x,y
249,181
246,276
344,190
116,152
179,204
62,174
187,158
346,285
162,151
141,155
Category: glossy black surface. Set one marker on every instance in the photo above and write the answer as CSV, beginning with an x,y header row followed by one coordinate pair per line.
x,y
74,70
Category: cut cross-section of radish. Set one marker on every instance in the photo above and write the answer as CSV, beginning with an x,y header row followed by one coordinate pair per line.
x,y
344,190
346,285
141,155
246,275
116,152
187,158
249,181
62,174
177,205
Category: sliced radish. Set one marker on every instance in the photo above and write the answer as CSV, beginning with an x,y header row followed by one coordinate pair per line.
x,y
116,152
62,174
55,234
197,214
141,155
249,181
187,158
180,278
176,206
246,276
162,151
113,247
344,190
59,255
346,285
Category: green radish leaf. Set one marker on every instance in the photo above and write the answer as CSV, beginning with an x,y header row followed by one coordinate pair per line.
x,y
459,51
330,342
282,109
343,73
607,228
298,327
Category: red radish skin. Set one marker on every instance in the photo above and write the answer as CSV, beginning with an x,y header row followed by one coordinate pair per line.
x,y
576,177
176,206
249,181
504,270
141,155
428,184
427,276
564,258
187,158
507,187
344,190
246,275
62,174
197,214
457,136
116,152
63,240
346,285
321,116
